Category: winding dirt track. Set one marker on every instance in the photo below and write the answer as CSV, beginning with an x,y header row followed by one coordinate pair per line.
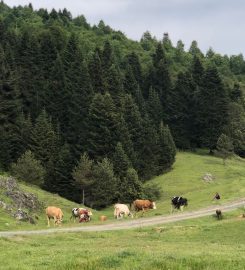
x,y
134,223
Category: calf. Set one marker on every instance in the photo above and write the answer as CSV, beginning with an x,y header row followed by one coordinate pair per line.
x,y
54,213
218,214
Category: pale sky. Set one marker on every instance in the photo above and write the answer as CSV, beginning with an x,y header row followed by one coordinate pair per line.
x,y
212,23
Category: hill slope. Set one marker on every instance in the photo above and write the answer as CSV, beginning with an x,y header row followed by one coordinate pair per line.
x,y
185,179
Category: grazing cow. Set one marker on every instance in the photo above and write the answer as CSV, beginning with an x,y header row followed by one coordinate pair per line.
x,y
178,203
143,205
55,213
218,214
81,213
121,210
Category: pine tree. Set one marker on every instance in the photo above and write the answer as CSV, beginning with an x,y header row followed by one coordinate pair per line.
x,y
134,123
59,179
95,71
120,161
102,127
213,108
166,149
82,174
28,169
130,187
104,188
9,110
181,114
134,63
146,162
44,140
130,84
154,107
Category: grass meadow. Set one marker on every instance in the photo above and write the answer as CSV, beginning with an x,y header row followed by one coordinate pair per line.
x,y
204,243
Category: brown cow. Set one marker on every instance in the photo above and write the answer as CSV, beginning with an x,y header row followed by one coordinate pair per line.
x,y
143,205
55,213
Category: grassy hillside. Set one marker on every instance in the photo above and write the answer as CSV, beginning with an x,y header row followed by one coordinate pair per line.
x,y
185,179
195,244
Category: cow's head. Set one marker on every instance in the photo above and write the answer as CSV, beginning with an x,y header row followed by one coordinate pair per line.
x,y
185,202
90,213
154,205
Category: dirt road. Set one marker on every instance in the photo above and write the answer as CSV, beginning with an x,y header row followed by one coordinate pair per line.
x,y
134,223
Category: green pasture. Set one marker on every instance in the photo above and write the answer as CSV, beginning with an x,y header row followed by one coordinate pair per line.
x,y
185,179
204,243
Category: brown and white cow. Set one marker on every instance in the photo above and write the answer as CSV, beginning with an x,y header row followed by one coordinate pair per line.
x,y
143,205
121,210
78,212
54,213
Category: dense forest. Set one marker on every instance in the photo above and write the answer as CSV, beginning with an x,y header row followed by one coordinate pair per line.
x,y
97,114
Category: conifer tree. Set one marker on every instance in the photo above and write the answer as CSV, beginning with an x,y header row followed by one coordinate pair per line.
x,y
213,108
95,71
28,169
154,107
181,114
130,187
102,128
9,110
166,149
83,175
104,188
44,141
120,161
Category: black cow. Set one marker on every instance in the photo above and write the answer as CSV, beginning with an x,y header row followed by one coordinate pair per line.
x,y
179,203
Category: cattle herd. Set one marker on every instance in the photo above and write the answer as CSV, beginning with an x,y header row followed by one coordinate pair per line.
x,y
120,210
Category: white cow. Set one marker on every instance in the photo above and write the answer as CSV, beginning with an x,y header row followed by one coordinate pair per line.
x,y
121,210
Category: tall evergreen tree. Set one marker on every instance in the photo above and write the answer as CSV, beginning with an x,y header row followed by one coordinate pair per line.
x,y
166,149
120,161
181,114
213,108
103,191
102,129
9,110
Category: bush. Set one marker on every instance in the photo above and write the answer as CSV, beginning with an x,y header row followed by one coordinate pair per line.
x,y
28,169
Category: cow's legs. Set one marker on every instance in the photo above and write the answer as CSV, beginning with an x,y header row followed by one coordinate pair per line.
x,y
48,219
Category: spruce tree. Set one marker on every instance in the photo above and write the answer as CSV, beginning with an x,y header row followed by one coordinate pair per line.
x,y
82,174
166,149
10,143
102,127
104,188
212,108
120,161
44,140
95,71
181,114
28,169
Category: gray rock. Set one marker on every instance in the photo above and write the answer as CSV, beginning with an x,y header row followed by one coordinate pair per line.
x,y
208,177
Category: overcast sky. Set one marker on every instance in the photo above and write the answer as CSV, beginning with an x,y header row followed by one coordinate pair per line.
x,y
213,23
